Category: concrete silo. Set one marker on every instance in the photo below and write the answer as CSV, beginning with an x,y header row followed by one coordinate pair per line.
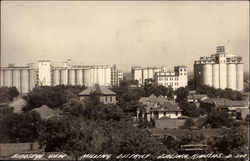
x,y
56,77
239,71
64,76
91,78
86,77
207,74
144,75
150,73
79,77
32,82
1,78
25,81
17,79
8,78
72,77
108,76
216,81
231,76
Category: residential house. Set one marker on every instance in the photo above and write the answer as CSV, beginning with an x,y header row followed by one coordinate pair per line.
x,y
105,95
158,107
237,109
46,112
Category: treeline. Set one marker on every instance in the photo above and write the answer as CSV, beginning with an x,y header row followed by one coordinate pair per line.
x,y
219,93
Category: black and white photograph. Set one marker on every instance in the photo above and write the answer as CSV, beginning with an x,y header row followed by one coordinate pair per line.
x,y
124,80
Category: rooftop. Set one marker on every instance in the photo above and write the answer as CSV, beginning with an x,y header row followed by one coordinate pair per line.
x,y
225,102
97,90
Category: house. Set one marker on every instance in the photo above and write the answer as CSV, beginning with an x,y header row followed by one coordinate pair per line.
x,y
105,95
237,109
158,107
197,98
46,112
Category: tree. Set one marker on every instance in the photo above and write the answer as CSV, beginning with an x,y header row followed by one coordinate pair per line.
x,y
232,141
23,127
7,94
54,97
218,118
181,94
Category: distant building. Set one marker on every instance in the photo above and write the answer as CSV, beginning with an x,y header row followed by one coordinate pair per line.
x,y
21,77
142,74
25,78
220,70
105,95
161,76
237,109
175,79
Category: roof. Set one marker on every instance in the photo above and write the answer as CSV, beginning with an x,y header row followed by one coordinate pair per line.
x,y
154,103
167,107
97,90
225,102
197,96
45,112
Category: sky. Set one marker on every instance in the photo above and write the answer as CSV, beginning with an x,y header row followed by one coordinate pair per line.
x,y
125,33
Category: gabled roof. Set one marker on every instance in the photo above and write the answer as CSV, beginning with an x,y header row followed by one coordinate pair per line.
x,y
225,102
167,107
45,112
152,98
99,90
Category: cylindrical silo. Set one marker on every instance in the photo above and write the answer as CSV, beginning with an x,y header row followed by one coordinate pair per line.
x,y
56,77
231,76
1,78
17,79
102,77
144,75
32,75
150,73
91,80
64,77
239,71
216,81
86,77
207,74
79,77
108,76
8,78
24,81
72,77
95,75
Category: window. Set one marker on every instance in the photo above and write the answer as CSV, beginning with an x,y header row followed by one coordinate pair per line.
x,y
176,113
181,70
166,78
106,98
160,78
110,98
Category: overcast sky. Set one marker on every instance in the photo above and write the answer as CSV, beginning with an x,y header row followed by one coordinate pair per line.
x,y
126,33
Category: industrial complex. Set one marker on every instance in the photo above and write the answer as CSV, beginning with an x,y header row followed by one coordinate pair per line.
x,y
25,78
220,70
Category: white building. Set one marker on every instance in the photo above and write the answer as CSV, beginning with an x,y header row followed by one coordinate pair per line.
x,y
174,79
24,78
142,74
220,70
44,73
21,77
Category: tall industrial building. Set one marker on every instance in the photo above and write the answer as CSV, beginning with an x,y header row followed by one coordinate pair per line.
x,y
161,76
220,70
21,77
142,74
176,79
24,78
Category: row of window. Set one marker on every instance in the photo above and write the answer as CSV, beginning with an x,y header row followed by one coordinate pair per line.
x,y
169,84
168,78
